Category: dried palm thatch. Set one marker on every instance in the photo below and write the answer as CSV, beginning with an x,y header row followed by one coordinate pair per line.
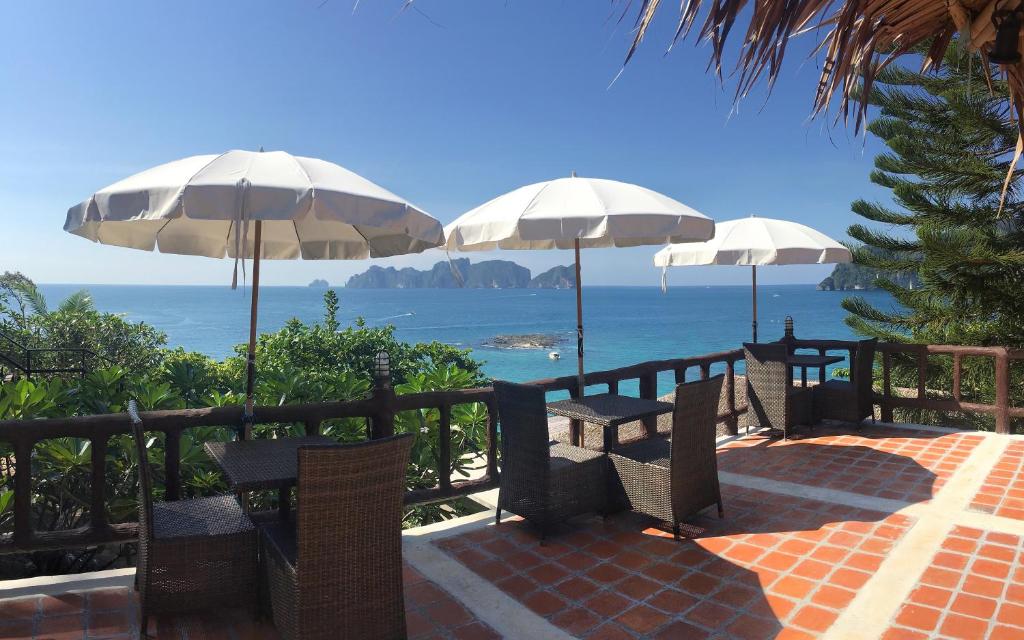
x,y
859,38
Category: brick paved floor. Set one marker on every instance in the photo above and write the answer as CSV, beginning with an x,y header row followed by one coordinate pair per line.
x,y
1003,491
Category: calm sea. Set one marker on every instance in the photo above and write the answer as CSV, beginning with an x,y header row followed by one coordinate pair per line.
x,y
624,325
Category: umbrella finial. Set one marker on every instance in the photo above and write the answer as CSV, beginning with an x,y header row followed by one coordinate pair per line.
x,y
573,174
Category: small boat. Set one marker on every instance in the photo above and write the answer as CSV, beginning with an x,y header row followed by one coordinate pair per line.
x,y
554,355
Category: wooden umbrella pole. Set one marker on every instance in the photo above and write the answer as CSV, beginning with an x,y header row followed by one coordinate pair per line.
x,y
753,289
579,322
250,369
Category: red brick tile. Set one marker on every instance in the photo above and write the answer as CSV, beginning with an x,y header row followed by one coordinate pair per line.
x,y
679,630
448,613
606,573
898,633
981,586
698,583
421,594
865,561
950,560
778,561
1001,632
931,596
812,569
963,627
796,546
814,618
736,595
710,614
672,601
748,627
744,553
972,605
642,619
917,617
637,587
991,569
829,554
475,631
793,587
833,597
997,552
516,586
15,629
940,577
15,608
665,572
1011,613
960,545
576,588
607,604
544,603
417,624
631,560
609,631
603,549
794,634
575,561
547,574
576,620
107,623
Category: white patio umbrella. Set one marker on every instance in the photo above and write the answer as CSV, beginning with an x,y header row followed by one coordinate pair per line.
x,y
577,213
244,204
756,241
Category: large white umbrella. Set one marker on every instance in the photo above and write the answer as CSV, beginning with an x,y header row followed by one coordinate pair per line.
x,y
756,241
244,204
577,213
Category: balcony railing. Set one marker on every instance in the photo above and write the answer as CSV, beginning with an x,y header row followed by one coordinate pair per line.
x,y
380,407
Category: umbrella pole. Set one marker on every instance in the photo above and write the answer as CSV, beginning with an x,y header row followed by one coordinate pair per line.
x,y
579,323
250,367
753,289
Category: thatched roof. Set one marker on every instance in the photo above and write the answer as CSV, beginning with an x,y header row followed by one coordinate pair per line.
x,y
857,38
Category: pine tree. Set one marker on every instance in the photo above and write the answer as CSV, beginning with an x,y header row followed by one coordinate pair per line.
x,y
951,140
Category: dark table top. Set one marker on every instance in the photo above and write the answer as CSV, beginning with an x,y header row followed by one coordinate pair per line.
x,y
249,465
810,360
609,409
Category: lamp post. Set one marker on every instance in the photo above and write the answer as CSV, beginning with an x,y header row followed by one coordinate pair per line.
x,y
382,424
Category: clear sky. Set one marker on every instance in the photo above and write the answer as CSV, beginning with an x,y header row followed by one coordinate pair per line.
x,y
448,106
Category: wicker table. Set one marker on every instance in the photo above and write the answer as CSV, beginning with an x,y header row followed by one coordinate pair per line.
x,y
808,361
609,411
251,465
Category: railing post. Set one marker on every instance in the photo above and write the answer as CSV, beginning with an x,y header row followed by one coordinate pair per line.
x,y
382,424
822,351
649,391
1003,391
98,504
732,423
705,370
922,372
23,492
444,448
957,372
680,376
172,464
613,387
886,386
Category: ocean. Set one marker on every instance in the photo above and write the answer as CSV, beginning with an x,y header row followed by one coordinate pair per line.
x,y
624,325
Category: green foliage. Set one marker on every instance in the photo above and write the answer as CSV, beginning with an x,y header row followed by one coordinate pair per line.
x,y
298,364
951,142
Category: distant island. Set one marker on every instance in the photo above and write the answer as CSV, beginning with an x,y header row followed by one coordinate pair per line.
x,y
524,341
855,277
489,274
320,284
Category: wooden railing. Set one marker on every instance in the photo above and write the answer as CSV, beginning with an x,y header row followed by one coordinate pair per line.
x,y
1002,408
379,409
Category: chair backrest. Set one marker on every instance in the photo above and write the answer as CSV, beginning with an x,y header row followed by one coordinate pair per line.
x,y
523,417
767,374
863,371
349,537
694,418
145,475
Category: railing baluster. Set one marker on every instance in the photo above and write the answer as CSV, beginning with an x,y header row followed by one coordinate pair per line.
x,y
1003,392
98,504
705,370
822,351
492,439
886,386
922,373
957,364
444,443
649,391
172,464
680,375
23,492
732,422
613,387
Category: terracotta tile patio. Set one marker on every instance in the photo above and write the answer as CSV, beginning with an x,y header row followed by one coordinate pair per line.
x,y
880,533
1003,491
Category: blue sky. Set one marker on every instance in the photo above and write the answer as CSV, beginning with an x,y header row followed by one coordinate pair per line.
x,y
446,109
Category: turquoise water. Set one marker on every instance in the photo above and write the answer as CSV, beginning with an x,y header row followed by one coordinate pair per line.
x,y
624,325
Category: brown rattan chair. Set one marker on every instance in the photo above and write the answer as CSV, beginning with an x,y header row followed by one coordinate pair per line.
x,y
543,481
672,480
773,400
336,572
193,554
850,401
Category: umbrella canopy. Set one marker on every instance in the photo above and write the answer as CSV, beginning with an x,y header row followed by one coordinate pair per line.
x,y
577,213
756,241
245,204
201,206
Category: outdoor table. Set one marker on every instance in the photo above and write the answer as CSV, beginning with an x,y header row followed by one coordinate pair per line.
x,y
251,465
609,411
808,361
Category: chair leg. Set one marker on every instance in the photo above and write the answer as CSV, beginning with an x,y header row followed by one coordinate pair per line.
x,y
497,516
675,530
721,511
144,622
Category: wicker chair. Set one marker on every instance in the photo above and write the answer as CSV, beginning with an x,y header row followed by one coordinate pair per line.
x,y
336,572
673,480
772,399
854,400
193,554
544,482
